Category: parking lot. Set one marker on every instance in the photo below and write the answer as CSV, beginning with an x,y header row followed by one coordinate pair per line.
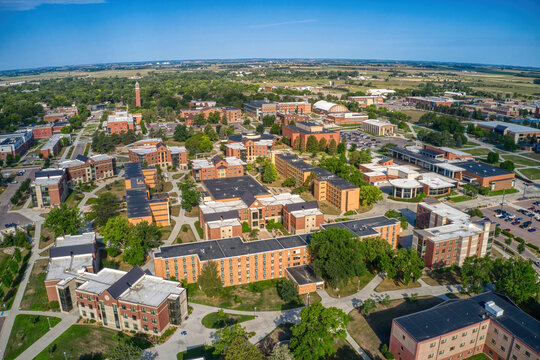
x,y
366,141
518,222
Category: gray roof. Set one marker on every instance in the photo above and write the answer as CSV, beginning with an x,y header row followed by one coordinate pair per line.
x,y
231,247
137,203
481,169
226,215
239,137
453,315
302,205
132,170
125,282
81,249
363,227
234,187
297,129
303,275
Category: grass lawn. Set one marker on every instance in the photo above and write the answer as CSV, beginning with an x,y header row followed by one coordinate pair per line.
x,y
214,321
74,199
373,332
116,187
199,228
344,351
9,292
27,329
86,342
351,287
4,259
533,156
204,352
48,237
450,277
500,192
194,212
477,152
175,210
460,198
479,356
531,173
186,234
414,114
35,294
167,186
177,176
518,160
166,230
390,284
262,295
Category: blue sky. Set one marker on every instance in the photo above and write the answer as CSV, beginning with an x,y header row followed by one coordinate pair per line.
x,y
36,33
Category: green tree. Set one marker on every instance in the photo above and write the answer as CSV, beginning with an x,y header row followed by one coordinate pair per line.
x,y
115,232
323,144
259,129
378,252
314,337
369,307
269,173
190,195
521,248
211,133
332,148
289,182
408,265
241,348
287,290
476,273
209,280
124,350
224,337
268,120
297,144
338,255
517,279
17,255
181,133
63,220
104,208
341,148
370,194
13,266
134,252
312,145
492,157
507,165
281,352
275,129
143,127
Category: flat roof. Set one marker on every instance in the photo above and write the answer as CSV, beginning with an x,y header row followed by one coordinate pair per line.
x,y
453,315
363,227
65,267
300,130
515,128
231,247
460,229
482,170
233,187
137,204
304,275
405,183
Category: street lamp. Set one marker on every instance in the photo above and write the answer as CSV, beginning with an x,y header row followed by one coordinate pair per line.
x,y
65,356
49,320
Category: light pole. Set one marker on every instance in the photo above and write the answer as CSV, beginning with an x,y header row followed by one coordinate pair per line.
x,y
307,299
254,310
49,320
65,356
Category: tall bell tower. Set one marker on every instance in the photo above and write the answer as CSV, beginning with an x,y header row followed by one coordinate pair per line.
x,y
137,95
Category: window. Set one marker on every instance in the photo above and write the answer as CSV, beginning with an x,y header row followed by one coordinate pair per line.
x,y
464,334
89,298
432,345
153,312
441,352
454,337
528,354
143,310
472,341
443,341
133,317
502,348
474,330
154,321
505,338
518,346
483,327
144,318
90,306
84,313
126,324
452,348
430,356
481,337
145,327
82,305
462,345
493,341
132,309
135,327
155,330
80,296
125,315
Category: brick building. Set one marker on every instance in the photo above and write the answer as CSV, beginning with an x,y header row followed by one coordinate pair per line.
x,y
260,108
43,131
304,130
378,226
53,145
430,100
346,118
379,127
248,147
364,101
232,114
449,153
54,117
155,152
488,323
49,188
485,175
326,107
236,200
84,169
297,107
217,167
286,118
15,143
519,133
119,122
70,255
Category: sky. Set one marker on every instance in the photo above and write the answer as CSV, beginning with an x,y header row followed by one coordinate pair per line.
x,y
38,33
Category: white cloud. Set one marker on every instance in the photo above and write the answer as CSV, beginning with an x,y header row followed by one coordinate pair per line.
x,y
282,23
21,5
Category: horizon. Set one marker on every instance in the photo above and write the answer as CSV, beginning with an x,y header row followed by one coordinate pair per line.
x,y
57,33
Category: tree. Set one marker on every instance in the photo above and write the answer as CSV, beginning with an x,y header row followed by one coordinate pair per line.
x,y
281,352
287,290
341,148
241,348
268,120
289,182
17,255
476,273
370,194
297,144
492,157
209,280
323,144
408,265
517,279
134,252
314,337
521,247
332,148
507,165
181,133
211,133
125,350
260,129
275,129
104,208
224,337
114,232
63,220
369,307
143,127
269,173
190,195
312,145
338,255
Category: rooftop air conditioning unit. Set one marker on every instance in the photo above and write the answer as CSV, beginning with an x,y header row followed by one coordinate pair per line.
x,y
493,309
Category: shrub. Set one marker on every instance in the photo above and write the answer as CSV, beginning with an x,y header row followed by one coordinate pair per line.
x,y
237,299
112,251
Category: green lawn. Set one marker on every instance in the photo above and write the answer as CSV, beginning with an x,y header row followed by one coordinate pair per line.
x,y
35,294
215,321
358,282
460,198
198,352
518,160
480,356
186,234
389,284
500,192
9,292
87,342
199,228
74,199
531,173
27,329
116,187
477,152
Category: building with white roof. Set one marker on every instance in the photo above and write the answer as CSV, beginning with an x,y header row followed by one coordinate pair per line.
x,y
380,92
326,107
84,169
519,133
49,188
119,122
379,127
217,167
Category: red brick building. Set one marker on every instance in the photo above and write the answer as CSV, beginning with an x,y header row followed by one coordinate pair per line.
x,y
232,114
43,131
248,147
119,122
449,153
217,167
85,169
304,130
15,143
346,118
155,152
286,118
364,101
300,107
430,100
49,188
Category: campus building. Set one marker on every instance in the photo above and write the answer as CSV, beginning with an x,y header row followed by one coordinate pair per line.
x,y
295,107
448,236
287,118
346,118
53,145
119,122
155,152
430,184
364,101
260,108
326,107
49,188
248,147
43,131
69,256
15,143
142,206
431,101
378,226
230,113
485,175
379,127
305,129
232,201
448,153
217,167
488,323
84,169
519,133
326,185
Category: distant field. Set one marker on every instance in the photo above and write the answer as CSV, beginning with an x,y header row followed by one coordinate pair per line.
x,y
531,173
414,114
521,160
477,152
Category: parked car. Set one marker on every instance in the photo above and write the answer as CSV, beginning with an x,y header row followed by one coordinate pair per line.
x,y
531,208
516,222
507,230
532,230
